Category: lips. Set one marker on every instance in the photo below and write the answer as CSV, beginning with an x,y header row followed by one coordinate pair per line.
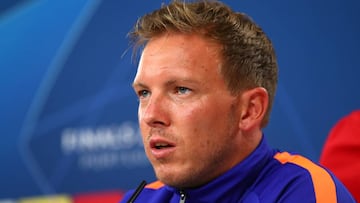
x,y
161,148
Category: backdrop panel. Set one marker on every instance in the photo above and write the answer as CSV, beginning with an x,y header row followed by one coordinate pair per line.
x,y
68,113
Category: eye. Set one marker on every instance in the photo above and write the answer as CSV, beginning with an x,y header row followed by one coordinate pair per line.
x,y
143,94
182,90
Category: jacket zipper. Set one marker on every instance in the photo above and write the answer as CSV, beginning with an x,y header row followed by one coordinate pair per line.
x,y
182,197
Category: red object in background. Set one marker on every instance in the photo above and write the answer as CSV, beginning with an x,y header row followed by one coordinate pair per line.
x,y
99,197
341,152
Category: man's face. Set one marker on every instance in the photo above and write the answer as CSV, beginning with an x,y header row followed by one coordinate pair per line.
x,y
188,118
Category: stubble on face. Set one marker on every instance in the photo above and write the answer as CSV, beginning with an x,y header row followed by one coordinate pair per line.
x,y
215,161
207,163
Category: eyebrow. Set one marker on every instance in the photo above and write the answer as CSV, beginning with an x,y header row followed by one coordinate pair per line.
x,y
167,83
139,84
170,82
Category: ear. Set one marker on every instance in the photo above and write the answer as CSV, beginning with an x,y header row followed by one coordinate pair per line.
x,y
254,105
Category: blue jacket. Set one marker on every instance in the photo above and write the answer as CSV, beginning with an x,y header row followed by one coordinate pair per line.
x,y
265,176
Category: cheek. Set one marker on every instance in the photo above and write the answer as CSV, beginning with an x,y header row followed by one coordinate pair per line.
x,y
199,123
206,123
204,113
192,116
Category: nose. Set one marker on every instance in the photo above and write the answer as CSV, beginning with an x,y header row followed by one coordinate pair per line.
x,y
154,112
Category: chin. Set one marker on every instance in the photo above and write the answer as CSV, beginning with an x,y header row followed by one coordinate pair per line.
x,y
177,180
171,179
177,176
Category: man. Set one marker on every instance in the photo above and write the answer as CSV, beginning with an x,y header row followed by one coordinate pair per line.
x,y
206,83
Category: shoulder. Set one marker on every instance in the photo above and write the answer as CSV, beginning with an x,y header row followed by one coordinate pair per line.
x,y
295,177
297,163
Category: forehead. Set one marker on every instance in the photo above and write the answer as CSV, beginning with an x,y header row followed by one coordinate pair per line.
x,y
180,60
182,40
176,50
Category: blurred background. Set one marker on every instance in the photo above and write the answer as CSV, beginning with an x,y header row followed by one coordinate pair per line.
x,y
68,115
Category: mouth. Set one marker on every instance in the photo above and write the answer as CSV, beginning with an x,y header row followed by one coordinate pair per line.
x,y
161,145
161,148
